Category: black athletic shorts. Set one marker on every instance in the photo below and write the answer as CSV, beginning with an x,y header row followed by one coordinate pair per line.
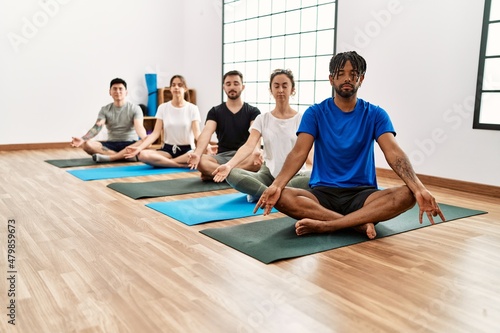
x,y
175,150
342,200
116,145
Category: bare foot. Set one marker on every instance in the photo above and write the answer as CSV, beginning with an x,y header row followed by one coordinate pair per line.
x,y
310,226
368,229
206,178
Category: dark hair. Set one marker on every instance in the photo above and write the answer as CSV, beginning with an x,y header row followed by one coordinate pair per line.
x,y
118,81
180,77
338,62
231,73
279,71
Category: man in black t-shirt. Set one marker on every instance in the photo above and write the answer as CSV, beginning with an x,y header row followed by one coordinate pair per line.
x,y
230,121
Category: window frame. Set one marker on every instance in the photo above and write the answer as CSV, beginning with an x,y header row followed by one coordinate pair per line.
x,y
477,124
311,83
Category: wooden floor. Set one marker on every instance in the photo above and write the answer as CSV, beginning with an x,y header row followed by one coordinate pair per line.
x,y
89,259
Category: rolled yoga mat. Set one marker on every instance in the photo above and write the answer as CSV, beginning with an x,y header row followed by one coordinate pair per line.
x,y
272,240
152,85
207,209
162,188
123,172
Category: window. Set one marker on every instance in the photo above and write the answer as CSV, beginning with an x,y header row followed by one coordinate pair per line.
x,y
262,35
487,108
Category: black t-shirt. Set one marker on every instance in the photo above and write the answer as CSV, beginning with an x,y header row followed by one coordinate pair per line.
x,y
232,128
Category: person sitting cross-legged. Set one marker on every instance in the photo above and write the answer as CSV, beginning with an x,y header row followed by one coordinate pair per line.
x,y
344,192
278,130
179,120
124,122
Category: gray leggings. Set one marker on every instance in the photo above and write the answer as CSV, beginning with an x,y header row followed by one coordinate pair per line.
x,y
255,183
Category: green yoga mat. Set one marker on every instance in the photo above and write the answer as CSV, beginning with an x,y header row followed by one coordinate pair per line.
x,y
74,162
162,188
273,240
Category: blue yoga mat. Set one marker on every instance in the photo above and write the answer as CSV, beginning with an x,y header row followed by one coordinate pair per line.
x,y
207,209
123,171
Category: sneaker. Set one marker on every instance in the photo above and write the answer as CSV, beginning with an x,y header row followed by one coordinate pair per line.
x,y
100,158
251,198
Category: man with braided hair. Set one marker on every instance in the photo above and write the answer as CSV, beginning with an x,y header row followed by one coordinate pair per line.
x,y
343,186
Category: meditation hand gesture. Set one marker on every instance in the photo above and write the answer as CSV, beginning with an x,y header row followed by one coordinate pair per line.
x,y
427,203
193,160
221,173
258,157
268,199
131,152
76,142
211,149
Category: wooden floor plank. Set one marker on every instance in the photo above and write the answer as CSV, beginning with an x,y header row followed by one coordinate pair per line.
x,y
89,259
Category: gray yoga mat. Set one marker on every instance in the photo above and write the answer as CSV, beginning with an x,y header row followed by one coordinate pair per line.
x,y
162,188
75,162
272,240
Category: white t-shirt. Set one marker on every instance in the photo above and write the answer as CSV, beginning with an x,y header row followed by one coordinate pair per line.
x,y
177,123
279,136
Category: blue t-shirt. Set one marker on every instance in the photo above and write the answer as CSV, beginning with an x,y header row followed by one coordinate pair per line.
x,y
343,142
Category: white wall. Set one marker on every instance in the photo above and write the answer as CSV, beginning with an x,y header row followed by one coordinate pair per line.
x,y
422,66
203,51
58,57
422,59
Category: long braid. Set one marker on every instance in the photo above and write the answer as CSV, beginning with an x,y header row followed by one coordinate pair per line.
x,y
338,62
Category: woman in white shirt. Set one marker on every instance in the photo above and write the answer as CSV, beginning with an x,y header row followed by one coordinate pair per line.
x,y
278,130
180,122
